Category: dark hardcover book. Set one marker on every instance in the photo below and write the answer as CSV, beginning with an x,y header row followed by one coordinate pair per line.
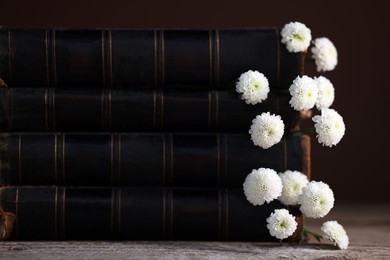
x,y
124,110
131,159
124,58
54,213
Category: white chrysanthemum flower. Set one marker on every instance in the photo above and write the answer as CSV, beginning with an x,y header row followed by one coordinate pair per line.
x,y
253,86
262,185
329,126
281,224
324,54
316,199
296,36
304,93
335,232
266,130
325,92
293,182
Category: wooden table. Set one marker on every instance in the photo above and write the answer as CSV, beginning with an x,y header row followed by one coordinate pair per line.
x,y
368,228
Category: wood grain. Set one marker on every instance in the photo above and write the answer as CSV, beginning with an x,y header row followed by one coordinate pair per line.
x,y
184,250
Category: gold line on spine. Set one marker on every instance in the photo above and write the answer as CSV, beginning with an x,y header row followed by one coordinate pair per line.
x,y
162,109
112,211
102,108
219,214
218,159
171,148
227,214
154,109
47,58
171,220
164,213
63,157
55,158
216,109
119,210
109,108
53,93
155,56
20,158
209,109
226,158
10,95
162,58
55,213
46,110
164,159
63,211
103,61
210,57
54,58
112,159
110,40
17,212
119,157
218,53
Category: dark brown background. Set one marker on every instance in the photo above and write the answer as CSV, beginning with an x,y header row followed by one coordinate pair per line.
x,y
357,168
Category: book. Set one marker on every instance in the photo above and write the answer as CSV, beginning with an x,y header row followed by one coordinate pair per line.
x,y
124,58
140,159
124,110
134,213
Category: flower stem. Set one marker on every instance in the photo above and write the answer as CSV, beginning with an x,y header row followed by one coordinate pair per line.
x,y
301,62
307,232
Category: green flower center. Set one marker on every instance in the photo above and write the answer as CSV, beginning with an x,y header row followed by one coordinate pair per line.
x,y
255,86
283,224
297,37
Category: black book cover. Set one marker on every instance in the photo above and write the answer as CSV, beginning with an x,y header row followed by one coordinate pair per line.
x,y
58,213
124,58
139,159
124,110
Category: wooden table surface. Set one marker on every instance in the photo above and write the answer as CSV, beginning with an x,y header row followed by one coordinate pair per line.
x,y
368,228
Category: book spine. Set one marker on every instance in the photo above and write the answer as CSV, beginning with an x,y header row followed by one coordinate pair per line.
x,y
36,109
88,159
52,213
127,58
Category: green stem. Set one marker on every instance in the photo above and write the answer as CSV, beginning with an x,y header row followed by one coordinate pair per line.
x,y
307,232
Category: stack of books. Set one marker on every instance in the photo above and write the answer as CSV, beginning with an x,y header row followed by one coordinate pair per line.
x,y
139,134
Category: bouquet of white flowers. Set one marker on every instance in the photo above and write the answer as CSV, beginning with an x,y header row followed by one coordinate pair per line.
x,y
315,199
